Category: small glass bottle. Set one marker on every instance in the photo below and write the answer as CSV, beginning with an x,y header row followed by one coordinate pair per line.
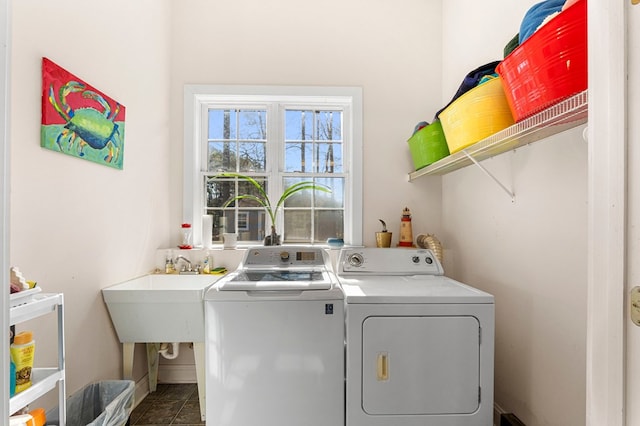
x,y
186,236
169,266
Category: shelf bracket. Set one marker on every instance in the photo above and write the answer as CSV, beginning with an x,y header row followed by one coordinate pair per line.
x,y
488,173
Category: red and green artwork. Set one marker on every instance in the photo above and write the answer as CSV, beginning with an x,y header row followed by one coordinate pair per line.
x,y
78,119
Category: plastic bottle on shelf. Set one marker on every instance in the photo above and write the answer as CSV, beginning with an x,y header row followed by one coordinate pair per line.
x,y
35,417
186,236
206,265
22,352
169,266
12,378
21,420
39,416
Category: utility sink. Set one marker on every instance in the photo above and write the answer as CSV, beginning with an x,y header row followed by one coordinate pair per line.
x,y
159,308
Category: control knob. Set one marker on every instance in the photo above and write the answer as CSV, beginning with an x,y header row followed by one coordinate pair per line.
x,y
355,259
284,256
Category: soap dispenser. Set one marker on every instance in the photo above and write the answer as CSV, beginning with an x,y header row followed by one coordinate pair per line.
x,y
206,265
169,266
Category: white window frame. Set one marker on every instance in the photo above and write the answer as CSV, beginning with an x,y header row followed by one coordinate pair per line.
x,y
197,97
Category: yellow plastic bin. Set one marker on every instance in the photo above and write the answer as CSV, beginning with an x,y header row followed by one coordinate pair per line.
x,y
428,145
477,114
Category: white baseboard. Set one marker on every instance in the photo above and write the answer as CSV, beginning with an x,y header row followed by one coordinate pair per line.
x,y
141,390
176,373
166,374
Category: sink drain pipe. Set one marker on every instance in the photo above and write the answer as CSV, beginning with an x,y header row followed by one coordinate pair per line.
x,y
169,354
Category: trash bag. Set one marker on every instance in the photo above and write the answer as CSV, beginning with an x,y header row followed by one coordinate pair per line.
x,y
105,403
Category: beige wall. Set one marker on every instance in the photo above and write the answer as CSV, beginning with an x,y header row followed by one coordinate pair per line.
x,y
530,253
76,226
391,50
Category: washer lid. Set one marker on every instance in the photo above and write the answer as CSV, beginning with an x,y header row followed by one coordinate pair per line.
x,y
276,280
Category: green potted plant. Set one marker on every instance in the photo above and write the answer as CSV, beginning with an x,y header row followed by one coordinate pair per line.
x,y
263,200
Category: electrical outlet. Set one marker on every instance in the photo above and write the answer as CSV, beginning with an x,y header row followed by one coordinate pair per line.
x,y
635,305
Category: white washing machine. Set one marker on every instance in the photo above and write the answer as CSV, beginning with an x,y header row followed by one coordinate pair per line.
x,y
419,346
274,341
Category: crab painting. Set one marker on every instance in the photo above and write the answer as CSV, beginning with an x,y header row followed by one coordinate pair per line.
x,y
78,120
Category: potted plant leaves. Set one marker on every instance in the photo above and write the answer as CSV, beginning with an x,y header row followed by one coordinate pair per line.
x,y
264,201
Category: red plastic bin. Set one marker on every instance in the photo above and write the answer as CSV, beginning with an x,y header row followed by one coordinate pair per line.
x,y
549,66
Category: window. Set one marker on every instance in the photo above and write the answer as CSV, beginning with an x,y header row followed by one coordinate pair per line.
x,y
278,136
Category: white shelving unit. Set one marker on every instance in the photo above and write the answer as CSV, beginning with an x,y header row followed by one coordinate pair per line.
x,y
28,306
562,116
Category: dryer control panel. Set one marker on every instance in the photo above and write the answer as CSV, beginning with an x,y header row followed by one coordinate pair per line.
x,y
388,261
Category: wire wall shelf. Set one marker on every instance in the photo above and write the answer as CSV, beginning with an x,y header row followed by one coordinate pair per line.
x,y
562,116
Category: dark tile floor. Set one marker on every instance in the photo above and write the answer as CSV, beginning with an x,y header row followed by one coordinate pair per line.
x,y
170,404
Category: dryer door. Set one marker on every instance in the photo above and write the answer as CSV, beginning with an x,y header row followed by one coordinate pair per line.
x,y
420,365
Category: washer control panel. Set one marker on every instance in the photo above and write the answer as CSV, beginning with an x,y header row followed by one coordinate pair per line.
x,y
284,256
388,261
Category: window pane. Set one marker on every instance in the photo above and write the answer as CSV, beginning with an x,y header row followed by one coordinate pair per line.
x,y
299,125
229,221
222,124
251,224
298,157
301,198
221,157
335,199
247,188
328,224
253,156
297,225
329,157
252,125
219,191
329,124
217,224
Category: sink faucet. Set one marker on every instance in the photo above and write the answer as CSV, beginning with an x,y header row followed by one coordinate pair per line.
x,y
187,261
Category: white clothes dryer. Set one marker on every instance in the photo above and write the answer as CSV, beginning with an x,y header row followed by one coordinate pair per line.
x,y
274,341
419,345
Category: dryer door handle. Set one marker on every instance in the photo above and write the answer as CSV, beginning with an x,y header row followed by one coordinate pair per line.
x,y
383,366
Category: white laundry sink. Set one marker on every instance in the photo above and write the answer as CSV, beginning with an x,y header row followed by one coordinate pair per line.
x,y
159,308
